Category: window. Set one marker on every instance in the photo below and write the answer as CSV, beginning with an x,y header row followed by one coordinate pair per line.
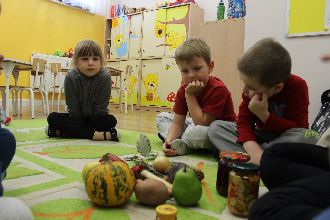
x,y
93,6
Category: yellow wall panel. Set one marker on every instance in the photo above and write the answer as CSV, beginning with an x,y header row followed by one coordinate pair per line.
x,y
43,26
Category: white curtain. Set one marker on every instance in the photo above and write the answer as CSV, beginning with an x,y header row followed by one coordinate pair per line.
x,y
94,6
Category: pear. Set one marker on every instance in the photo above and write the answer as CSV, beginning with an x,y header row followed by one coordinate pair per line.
x,y
187,189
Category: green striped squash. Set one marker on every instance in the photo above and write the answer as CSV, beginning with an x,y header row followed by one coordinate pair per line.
x,y
110,184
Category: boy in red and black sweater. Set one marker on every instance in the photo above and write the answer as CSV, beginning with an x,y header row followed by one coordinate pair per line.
x,y
274,107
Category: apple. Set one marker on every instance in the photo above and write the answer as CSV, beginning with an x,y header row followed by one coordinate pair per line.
x,y
87,167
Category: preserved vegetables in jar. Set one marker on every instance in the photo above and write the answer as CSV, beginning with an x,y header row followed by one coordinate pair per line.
x,y
243,188
225,166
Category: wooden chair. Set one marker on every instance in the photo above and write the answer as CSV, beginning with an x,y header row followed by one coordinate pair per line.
x,y
3,93
38,85
55,70
3,96
125,88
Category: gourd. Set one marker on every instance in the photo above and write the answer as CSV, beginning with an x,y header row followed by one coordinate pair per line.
x,y
110,184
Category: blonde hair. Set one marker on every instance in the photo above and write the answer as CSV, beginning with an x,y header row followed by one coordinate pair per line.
x,y
268,61
191,48
87,48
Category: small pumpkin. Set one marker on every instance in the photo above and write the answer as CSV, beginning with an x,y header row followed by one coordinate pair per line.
x,y
110,184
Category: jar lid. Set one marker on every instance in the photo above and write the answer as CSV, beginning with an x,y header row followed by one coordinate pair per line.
x,y
166,210
235,156
245,167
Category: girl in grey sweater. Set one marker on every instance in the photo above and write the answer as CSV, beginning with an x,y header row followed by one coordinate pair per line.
x,y
87,89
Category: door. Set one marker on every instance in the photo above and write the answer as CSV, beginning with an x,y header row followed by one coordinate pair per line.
x,y
170,82
150,91
176,29
153,33
135,32
119,37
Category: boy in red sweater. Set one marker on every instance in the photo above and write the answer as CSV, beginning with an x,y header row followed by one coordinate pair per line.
x,y
205,97
274,107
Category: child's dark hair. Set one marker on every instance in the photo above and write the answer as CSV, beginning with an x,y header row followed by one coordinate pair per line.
x,y
268,61
191,48
87,48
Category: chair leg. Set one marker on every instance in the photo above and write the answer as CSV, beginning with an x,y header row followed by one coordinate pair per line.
x,y
125,102
43,102
47,103
21,102
120,101
59,99
53,99
131,101
13,102
16,103
32,103
3,97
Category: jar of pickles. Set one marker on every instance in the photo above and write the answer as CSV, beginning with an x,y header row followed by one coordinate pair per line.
x,y
225,166
243,188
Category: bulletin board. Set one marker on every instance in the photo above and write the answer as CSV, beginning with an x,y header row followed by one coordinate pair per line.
x,y
307,18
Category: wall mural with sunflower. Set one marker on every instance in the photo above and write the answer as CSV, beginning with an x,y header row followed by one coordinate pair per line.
x,y
172,24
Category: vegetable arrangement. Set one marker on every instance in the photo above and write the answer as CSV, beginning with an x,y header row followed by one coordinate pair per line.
x,y
111,182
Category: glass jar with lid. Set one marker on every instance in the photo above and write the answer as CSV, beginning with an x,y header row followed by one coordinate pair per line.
x,y
166,212
243,188
225,166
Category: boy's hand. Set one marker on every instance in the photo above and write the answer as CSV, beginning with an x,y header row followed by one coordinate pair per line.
x,y
167,149
194,88
254,150
259,106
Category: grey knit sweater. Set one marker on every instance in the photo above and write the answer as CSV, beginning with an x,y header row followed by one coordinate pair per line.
x,y
87,98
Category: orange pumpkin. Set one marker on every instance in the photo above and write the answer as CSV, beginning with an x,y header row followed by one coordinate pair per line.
x,y
110,184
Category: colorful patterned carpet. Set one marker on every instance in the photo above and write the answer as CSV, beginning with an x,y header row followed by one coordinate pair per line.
x,y
46,174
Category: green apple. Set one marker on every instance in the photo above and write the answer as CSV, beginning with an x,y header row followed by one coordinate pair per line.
x,y
87,167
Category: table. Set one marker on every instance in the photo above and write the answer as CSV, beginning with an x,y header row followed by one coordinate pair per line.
x,y
13,66
113,71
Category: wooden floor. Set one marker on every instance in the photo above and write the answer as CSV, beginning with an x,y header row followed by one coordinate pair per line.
x,y
143,120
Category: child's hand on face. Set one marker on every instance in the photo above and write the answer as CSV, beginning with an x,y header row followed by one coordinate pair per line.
x,y
259,104
167,149
194,88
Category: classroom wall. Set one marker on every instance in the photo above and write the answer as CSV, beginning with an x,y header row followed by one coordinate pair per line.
x,y
43,26
267,18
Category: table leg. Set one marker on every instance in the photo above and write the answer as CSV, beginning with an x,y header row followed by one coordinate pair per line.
x,y
8,69
15,107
